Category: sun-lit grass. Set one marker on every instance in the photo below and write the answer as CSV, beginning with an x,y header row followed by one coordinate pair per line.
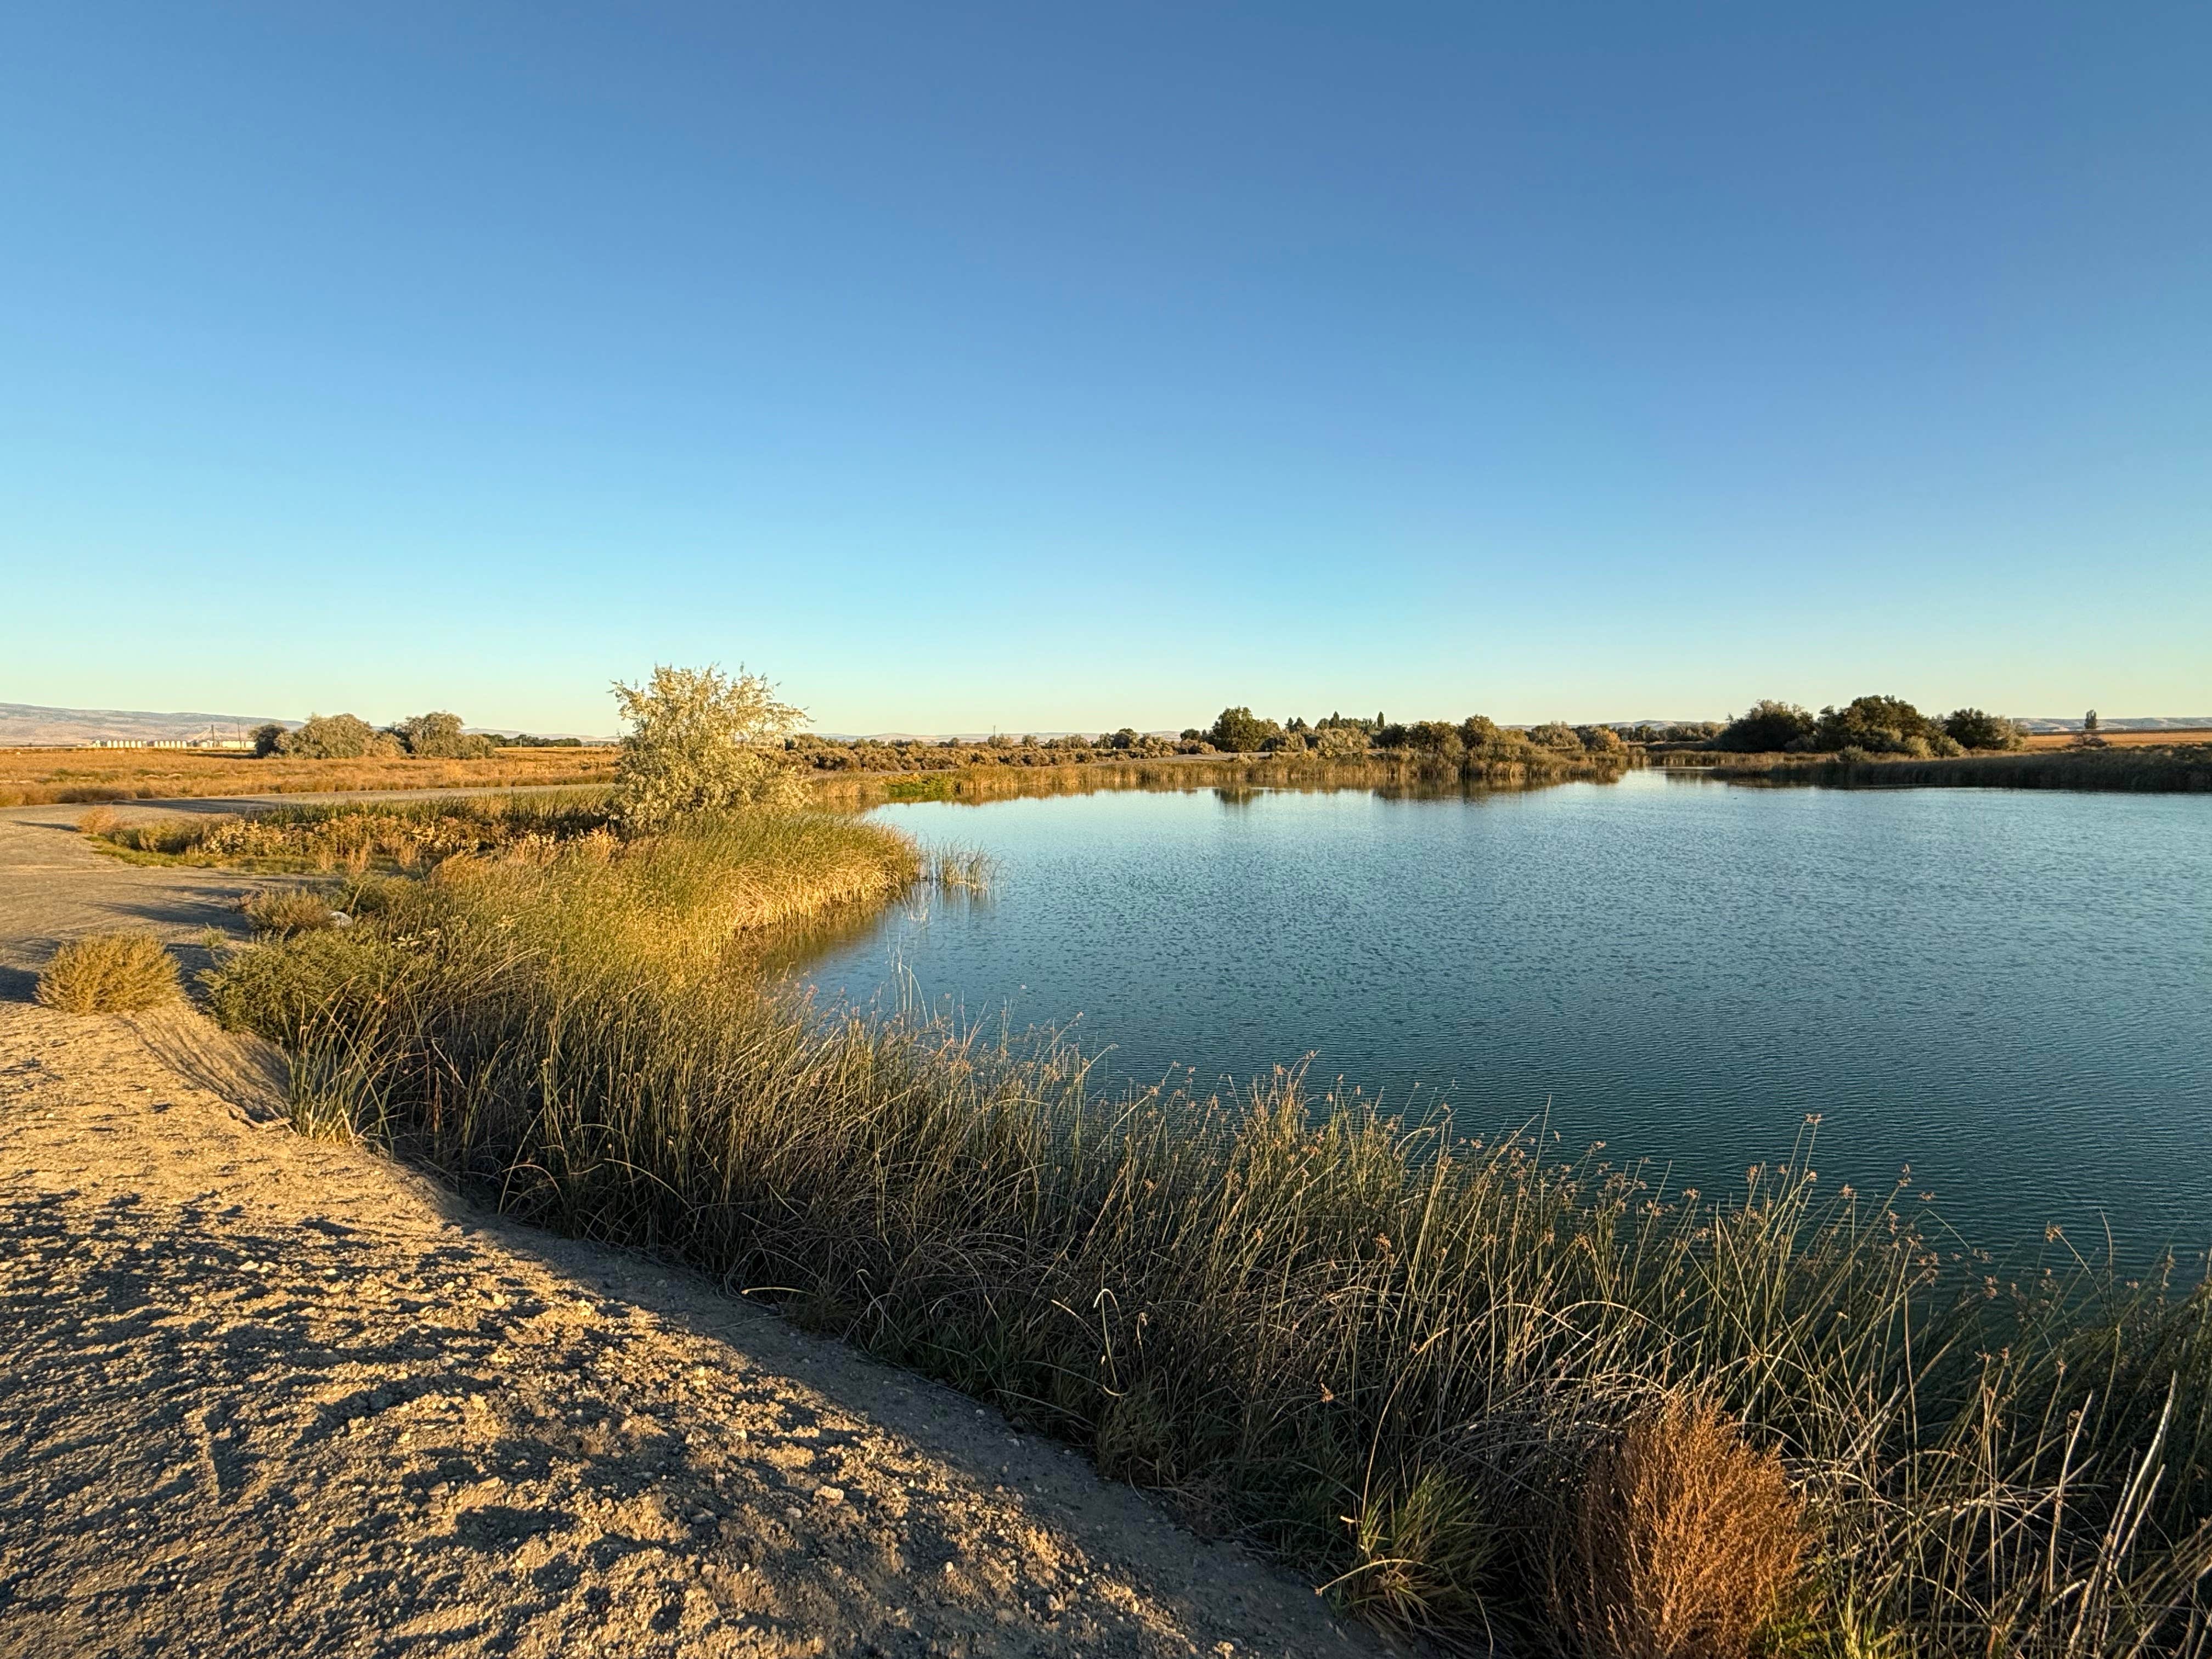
x,y
1472,1389
962,869
108,974
283,910
35,776
2139,768
358,836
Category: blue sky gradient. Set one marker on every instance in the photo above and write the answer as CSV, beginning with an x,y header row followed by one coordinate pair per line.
x,y
1047,366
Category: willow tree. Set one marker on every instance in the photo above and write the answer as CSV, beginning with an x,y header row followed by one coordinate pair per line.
x,y
701,741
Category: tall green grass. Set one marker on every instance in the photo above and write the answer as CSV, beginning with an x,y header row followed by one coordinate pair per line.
x,y
1391,1355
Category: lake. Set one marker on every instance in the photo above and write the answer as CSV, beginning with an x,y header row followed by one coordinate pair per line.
x,y
2010,991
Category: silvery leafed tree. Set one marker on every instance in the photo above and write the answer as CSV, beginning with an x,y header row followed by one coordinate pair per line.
x,y
701,741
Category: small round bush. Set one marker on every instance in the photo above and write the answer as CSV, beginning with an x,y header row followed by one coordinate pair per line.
x,y
285,910
109,974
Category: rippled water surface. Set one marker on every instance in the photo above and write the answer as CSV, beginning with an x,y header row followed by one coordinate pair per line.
x,y
2012,992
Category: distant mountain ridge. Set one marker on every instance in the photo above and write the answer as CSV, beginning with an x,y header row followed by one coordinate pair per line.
x,y
35,726
2149,723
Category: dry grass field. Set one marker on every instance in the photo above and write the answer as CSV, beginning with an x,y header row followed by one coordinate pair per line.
x,y
2126,740
33,777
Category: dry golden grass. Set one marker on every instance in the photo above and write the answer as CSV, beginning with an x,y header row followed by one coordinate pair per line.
x,y
286,910
109,974
2125,740
1688,1542
30,777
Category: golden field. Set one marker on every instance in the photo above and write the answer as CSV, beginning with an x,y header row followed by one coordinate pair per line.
x,y
2126,740
30,777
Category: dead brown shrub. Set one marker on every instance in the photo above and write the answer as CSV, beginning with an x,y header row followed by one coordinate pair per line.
x,y
98,822
1687,1543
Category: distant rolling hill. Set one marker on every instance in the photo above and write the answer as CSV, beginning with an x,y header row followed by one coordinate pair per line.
x,y
33,725
2154,723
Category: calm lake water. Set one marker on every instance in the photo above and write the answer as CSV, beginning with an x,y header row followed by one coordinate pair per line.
x,y
2010,991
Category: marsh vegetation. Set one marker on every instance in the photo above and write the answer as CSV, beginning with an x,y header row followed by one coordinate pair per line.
x,y
2140,768
1464,1385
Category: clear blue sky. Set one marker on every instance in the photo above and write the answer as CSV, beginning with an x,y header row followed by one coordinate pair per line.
x,y
1057,366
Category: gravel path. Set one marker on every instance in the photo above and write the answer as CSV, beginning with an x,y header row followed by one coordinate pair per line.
x,y
265,1395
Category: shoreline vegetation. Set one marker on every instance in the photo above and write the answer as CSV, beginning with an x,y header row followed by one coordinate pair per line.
x,y
2170,768
1467,1388
1873,742
1455,1382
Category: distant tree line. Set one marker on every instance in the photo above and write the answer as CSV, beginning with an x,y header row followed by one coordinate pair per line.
x,y
1870,725
823,754
1477,738
436,735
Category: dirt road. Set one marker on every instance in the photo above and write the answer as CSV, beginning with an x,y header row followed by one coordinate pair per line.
x,y
265,1395
53,887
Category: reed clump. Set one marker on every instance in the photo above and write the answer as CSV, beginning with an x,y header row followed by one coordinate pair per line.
x,y
109,974
1438,1374
963,870
2177,769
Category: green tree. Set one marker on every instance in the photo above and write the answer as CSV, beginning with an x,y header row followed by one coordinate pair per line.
x,y
335,737
1971,728
438,735
1239,730
1768,727
701,741
1476,729
266,737
1881,726
1437,737
1556,734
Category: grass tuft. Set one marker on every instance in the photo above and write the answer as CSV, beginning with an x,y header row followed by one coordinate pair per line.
x,y
109,974
962,869
286,910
